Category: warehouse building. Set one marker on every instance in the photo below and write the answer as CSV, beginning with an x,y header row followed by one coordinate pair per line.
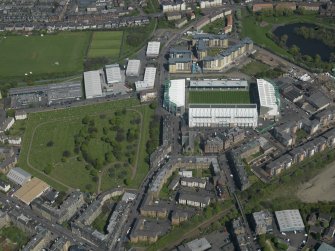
x,y
93,81
113,74
269,99
174,96
133,68
31,190
153,49
45,95
289,220
18,176
223,115
148,80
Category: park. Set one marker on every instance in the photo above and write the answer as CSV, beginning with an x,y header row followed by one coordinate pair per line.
x,y
93,148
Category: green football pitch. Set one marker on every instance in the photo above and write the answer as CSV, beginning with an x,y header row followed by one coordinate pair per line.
x,y
219,97
49,54
105,44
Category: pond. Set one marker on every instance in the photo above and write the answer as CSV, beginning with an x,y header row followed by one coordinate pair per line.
x,y
308,46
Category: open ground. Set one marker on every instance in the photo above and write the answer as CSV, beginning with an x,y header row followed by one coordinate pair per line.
x,y
219,97
320,188
49,54
60,145
105,44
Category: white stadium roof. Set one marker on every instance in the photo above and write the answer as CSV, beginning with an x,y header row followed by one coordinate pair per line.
x,y
176,92
267,97
289,220
113,73
92,80
133,67
216,83
153,49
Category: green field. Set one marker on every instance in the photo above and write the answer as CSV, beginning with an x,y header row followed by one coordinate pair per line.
x,y
254,67
83,142
105,44
61,53
219,97
12,238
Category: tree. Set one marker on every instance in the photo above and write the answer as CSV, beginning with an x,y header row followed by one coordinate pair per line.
x,y
50,143
153,105
284,38
89,187
95,179
294,50
66,154
47,169
10,113
85,120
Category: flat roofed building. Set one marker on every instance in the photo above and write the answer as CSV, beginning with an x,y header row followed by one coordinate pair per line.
x,y
289,220
199,245
31,190
148,80
153,49
113,74
92,81
262,222
18,176
174,96
224,84
133,68
231,115
269,99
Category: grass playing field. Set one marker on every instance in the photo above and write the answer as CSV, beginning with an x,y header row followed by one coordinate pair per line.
x,y
61,127
48,54
219,97
105,44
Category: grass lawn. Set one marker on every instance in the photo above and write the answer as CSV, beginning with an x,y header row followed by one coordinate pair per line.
x,y
100,222
17,238
91,147
51,54
251,28
215,27
219,97
254,68
105,44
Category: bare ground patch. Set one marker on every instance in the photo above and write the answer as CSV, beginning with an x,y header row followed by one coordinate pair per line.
x,y
320,188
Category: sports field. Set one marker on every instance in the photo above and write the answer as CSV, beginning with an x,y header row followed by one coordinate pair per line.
x,y
48,54
219,97
105,44
94,148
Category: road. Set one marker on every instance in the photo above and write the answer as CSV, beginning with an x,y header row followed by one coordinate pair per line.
x,y
54,228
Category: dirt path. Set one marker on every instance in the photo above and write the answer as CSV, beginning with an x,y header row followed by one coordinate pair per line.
x,y
134,168
320,188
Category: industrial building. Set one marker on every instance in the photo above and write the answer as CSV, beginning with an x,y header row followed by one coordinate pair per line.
x,y
174,96
113,74
153,49
222,115
45,95
148,80
31,190
18,176
133,68
289,220
93,84
269,99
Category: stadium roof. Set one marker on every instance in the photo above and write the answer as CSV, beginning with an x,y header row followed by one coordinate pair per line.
x,y
92,81
133,67
267,96
31,190
176,92
215,83
289,220
113,74
153,49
